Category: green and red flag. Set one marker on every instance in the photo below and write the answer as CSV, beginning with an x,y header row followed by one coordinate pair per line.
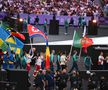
x,y
86,42
81,42
76,41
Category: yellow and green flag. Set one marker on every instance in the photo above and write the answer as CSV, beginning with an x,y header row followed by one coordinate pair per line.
x,y
3,45
10,40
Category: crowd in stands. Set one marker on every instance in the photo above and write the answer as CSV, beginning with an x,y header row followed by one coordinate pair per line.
x,y
106,7
49,7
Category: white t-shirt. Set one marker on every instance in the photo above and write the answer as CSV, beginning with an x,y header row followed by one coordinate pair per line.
x,y
63,60
39,61
28,58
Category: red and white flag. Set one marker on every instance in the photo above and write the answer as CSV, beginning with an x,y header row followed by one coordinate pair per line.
x,y
33,31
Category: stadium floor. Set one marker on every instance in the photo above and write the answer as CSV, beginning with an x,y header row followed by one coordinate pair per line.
x,y
102,31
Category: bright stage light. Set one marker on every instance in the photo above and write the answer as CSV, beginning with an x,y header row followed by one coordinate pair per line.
x,y
21,20
94,21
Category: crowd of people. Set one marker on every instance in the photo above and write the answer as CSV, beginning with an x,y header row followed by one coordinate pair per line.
x,y
58,75
102,62
60,81
50,7
58,61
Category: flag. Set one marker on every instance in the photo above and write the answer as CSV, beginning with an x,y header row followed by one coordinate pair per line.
x,y
18,35
76,41
82,42
33,31
86,42
5,26
47,64
19,44
3,34
10,40
12,48
18,50
3,45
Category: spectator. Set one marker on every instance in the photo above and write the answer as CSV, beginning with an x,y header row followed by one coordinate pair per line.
x,y
49,80
39,81
75,81
49,7
63,80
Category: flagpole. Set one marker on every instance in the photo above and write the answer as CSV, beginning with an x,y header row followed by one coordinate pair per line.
x,y
31,46
72,43
84,33
80,53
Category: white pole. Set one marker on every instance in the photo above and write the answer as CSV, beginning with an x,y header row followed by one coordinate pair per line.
x,y
84,33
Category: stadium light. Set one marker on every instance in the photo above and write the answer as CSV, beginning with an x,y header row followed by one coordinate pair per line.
x,y
21,20
94,21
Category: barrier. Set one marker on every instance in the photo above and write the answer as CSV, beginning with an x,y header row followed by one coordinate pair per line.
x,y
102,20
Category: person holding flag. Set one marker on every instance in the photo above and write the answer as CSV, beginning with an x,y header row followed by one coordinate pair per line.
x,y
33,31
74,59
